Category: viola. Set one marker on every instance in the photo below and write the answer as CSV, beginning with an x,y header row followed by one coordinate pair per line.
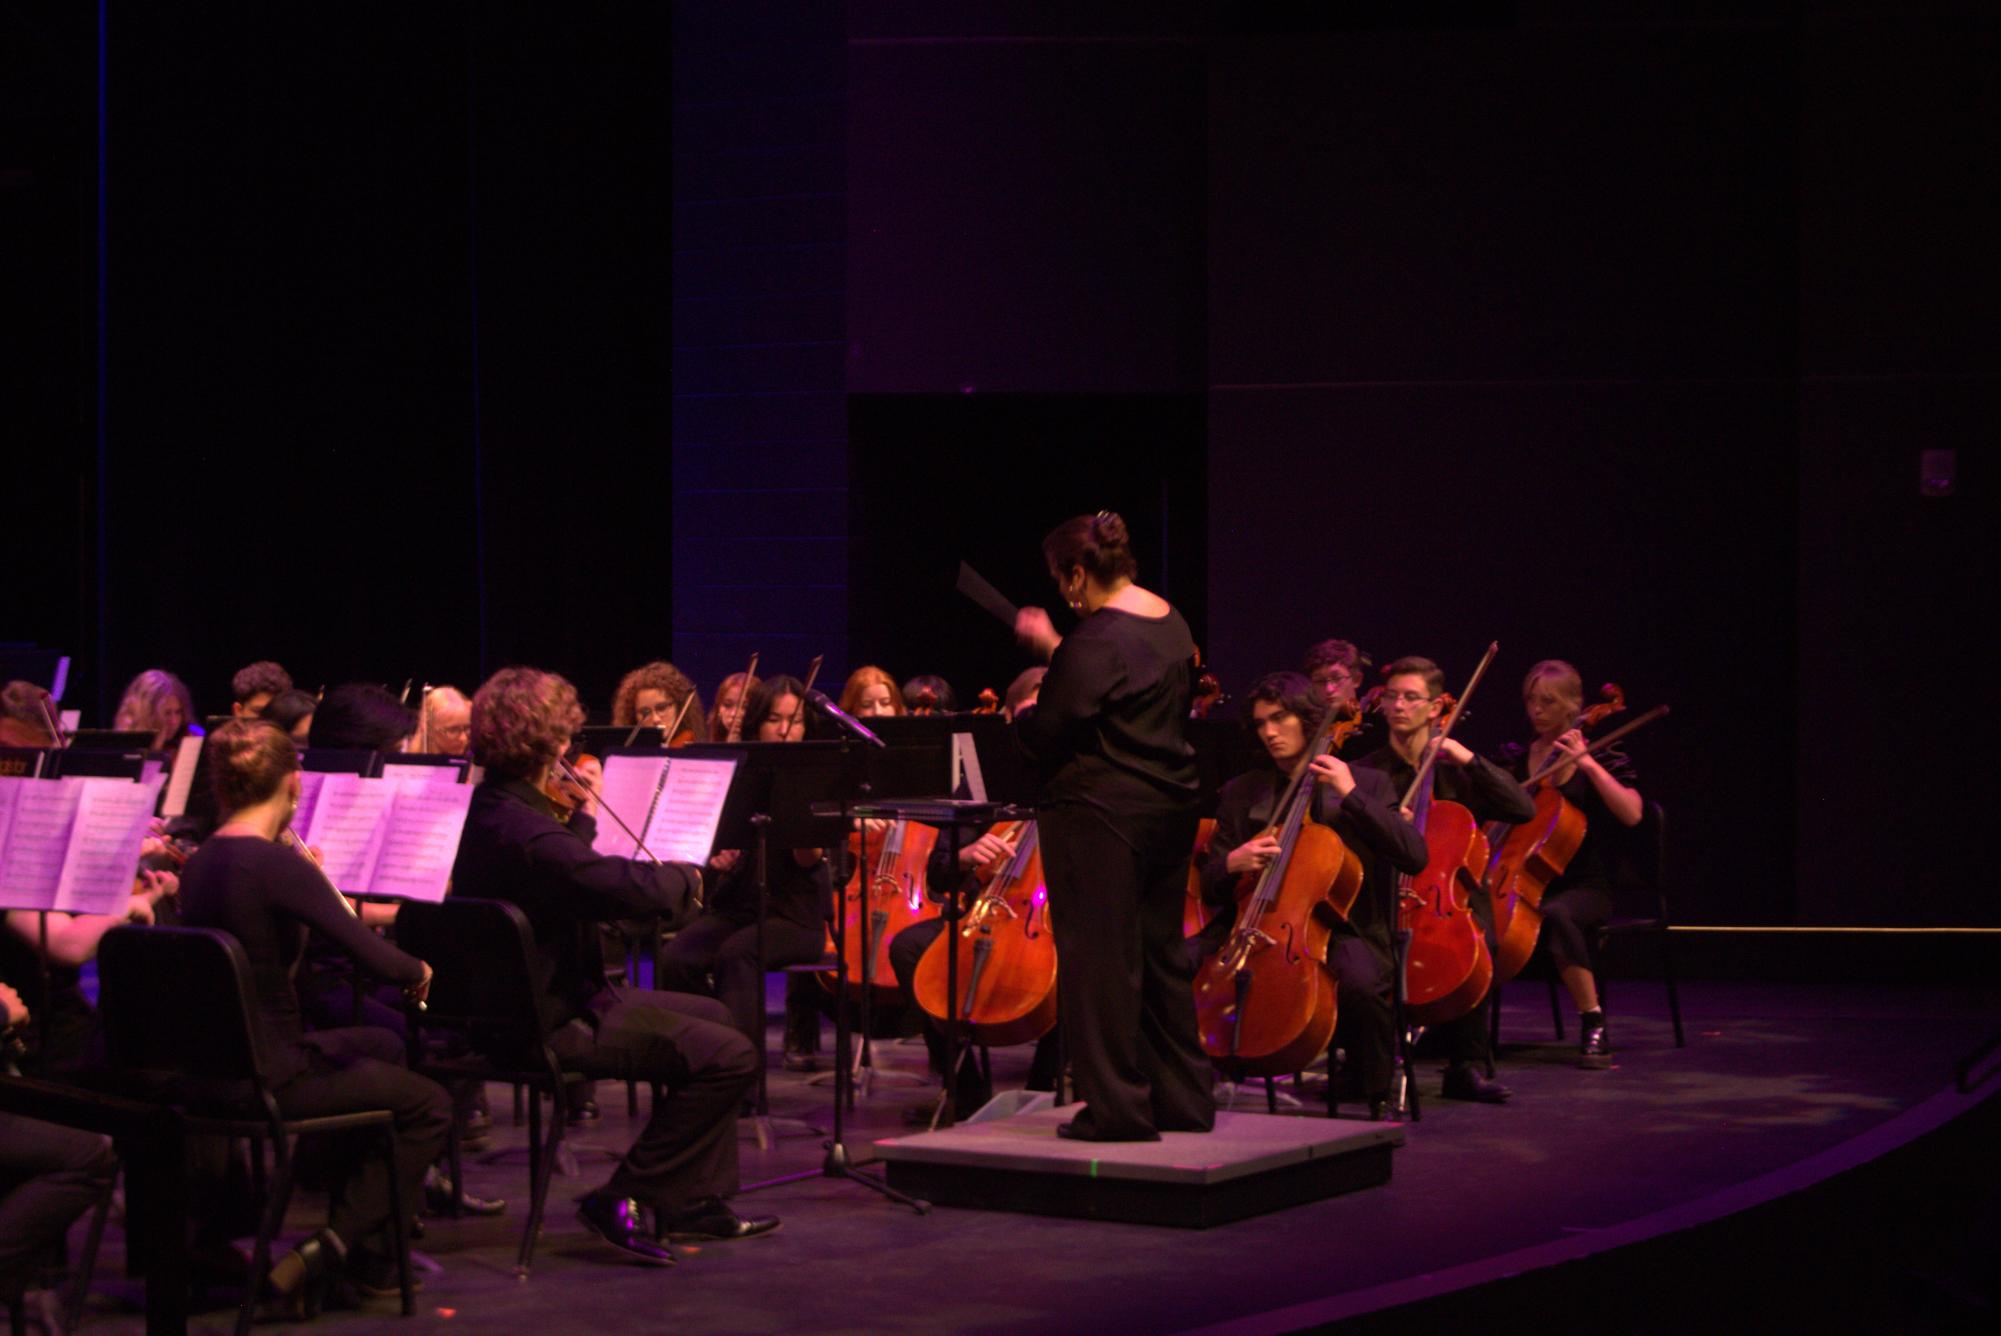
x,y
566,789
1007,955
1448,968
888,886
1265,1003
1529,857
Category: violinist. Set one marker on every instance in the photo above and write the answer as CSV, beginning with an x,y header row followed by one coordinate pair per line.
x,y
928,693
293,712
254,686
245,881
73,940
158,702
1116,820
721,942
871,693
726,715
907,948
1286,711
445,722
652,696
1411,707
672,1181
1579,901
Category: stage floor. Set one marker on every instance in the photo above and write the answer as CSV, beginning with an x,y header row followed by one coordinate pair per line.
x,y
1771,1075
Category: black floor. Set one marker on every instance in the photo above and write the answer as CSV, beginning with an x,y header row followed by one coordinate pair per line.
x,y
1772,1074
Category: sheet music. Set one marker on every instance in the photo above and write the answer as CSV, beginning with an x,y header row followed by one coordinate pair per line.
x,y
186,756
111,820
309,798
10,795
966,768
32,866
347,828
628,788
421,841
404,778
683,829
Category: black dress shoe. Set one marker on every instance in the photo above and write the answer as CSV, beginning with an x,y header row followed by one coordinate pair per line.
x,y
621,1222
438,1197
297,1285
1079,1130
1594,1053
712,1221
373,1275
586,1111
1464,1081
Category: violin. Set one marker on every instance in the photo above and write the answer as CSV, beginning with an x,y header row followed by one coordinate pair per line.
x,y
1448,968
989,702
1529,857
675,735
1208,690
1007,954
1265,1003
567,790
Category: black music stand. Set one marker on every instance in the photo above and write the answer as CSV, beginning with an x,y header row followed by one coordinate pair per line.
x,y
791,795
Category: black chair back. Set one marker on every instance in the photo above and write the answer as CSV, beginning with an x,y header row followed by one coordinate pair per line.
x,y
482,955
178,1001
1639,873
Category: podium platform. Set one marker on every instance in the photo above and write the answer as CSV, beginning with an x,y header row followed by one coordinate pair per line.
x,y
1008,1157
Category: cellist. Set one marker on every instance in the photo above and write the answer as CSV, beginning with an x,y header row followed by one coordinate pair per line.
x,y
1338,668
1285,710
1579,901
1411,705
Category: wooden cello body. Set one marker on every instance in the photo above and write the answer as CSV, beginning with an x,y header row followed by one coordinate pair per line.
x,y
888,887
1450,968
1524,863
1007,955
1195,914
1266,1003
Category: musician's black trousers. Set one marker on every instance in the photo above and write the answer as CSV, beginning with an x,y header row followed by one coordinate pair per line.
x,y
715,944
362,1068
906,950
1570,919
1365,1023
49,1176
692,1047
1125,989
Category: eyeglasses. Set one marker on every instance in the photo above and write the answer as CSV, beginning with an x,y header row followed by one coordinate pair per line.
x,y
646,712
1406,697
454,730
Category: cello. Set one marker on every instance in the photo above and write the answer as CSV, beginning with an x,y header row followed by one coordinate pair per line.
x,y
1528,857
1007,956
1447,967
890,889
1265,1003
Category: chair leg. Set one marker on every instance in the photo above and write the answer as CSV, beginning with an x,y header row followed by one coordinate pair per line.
x,y
1271,1096
517,1103
632,1099
1555,1003
399,1223
1673,992
79,1287
542,1161
267,1229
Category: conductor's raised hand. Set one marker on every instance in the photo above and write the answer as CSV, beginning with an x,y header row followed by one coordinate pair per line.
x,y
1036,632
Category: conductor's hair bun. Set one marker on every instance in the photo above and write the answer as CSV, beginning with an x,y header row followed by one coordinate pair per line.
x,y
1109,529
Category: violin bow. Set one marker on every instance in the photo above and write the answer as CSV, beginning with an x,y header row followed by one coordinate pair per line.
x,y
812,676
742,700
1557,762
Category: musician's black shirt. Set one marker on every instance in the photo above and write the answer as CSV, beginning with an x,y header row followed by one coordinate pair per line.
x,y
515,849
1481,787
1366,820
1591,865
270,898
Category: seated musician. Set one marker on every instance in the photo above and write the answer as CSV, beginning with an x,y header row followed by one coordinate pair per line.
x,y
1338,669
49,1175
722,941
445,722
247,882
651,696
929,694
72,943
293,712
254,686
870,693
1285,711
362,716
24,716
157,702
1579,901
907,948
672,1181
1411,706
731,698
